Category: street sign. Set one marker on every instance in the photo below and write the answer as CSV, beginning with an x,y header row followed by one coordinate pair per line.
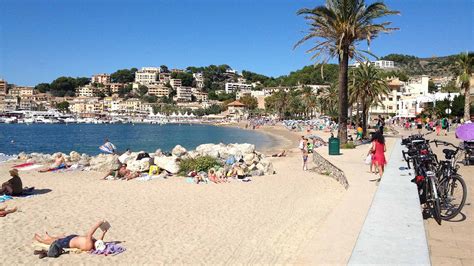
x,y
448,111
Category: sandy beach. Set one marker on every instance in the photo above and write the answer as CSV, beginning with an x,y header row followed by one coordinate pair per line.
x,y
269,220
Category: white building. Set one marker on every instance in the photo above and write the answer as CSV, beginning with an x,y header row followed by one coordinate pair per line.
x,y
159,90
234,87
86,91
147,75
184,94
383,64
101,78
199,77
175,83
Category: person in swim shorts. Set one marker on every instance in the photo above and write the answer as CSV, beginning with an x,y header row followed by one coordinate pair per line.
x,y
59,243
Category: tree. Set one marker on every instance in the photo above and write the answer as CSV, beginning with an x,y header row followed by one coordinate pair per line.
x,y
250,102
123,75
329,100
63,86
464,65
82,81
432,87
366,88
336,28
142,90
43,87
164,69
186,78
125,90
63,106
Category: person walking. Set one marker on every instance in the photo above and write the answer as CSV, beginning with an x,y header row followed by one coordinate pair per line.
x,y
378,149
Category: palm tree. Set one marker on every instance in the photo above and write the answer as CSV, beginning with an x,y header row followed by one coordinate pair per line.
x,y
336,28
464,63
308,100
329,100
366,89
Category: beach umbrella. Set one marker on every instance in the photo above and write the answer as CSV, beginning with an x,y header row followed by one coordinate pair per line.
x,y
465,132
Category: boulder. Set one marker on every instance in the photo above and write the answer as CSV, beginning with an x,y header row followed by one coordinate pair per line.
x,y
249,159
208,150
127,157
170,164
158,152
74,156
245,148
178,151
139,166
23,156
104,162
256,173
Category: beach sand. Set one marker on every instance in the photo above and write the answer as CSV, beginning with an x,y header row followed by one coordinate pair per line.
x,y
269,220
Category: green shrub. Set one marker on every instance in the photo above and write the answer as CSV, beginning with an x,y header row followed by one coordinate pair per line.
x,y
348,145
201,163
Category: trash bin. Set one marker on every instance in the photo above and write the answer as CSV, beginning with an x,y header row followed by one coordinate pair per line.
x,y
334,146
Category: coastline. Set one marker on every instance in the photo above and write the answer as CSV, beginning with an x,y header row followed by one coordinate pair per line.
x,y
267,220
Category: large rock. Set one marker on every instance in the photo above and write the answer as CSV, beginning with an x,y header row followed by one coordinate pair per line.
x,y
104,162
250,158
139,166
244,148
178,151
74,156
127,157
170,164
208,150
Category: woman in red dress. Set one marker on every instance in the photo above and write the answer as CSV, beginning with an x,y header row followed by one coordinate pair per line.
x,y
378,150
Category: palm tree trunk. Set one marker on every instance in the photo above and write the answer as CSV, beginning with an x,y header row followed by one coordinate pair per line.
x,y
364,119
343,95
467,104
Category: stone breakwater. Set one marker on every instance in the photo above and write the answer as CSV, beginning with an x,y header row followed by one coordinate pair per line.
x,y
256,163
324,167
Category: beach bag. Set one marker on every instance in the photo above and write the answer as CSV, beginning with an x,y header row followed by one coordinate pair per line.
x,y
368,159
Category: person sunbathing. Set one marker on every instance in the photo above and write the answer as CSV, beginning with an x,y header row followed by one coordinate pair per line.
x,y
280,154
14,186
122,173
59,243
213,177
59,163
4,211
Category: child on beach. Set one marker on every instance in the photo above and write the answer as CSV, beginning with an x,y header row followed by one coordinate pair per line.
x,y
305,160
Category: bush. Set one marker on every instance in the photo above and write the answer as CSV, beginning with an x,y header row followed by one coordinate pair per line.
x,y
202,163
348,145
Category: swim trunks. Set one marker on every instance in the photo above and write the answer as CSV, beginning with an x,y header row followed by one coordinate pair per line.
x,y
64,242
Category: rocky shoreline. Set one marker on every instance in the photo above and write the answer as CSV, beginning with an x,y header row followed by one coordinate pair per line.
x,y
256,163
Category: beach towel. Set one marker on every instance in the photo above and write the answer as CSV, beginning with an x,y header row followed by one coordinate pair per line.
x,y
5,198
111,248
23,165
30,167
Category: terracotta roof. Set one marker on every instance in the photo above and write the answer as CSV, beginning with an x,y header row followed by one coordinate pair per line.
x,y
236,103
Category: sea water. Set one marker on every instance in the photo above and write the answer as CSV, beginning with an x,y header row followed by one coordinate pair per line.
x,y
86,138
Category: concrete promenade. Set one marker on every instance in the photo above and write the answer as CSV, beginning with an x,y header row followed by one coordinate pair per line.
x,y
393,232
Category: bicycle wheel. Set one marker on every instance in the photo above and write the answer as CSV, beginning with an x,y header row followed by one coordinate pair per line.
x,y
453,194
434,202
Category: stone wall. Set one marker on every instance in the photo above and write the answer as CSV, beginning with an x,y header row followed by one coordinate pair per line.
x,y
325,167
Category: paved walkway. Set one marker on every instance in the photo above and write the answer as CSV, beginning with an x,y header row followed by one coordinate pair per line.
x,y
393,232
452,242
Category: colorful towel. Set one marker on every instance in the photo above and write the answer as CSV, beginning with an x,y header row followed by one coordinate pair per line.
x,y
110,249
5,198
23,165
30,167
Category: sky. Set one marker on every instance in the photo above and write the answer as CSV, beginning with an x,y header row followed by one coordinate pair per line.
x,y
41,40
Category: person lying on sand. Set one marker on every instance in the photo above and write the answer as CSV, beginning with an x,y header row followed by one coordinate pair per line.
x,y
122,173
280,154
4,211
59,163
59,243
14,186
